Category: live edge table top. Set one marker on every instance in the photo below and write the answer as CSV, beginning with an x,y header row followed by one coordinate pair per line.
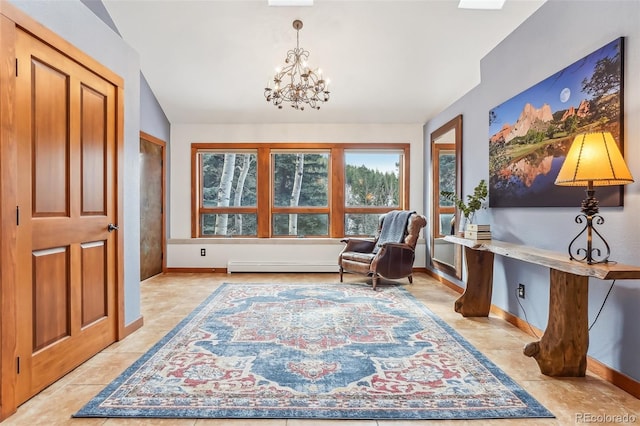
x,y
550,259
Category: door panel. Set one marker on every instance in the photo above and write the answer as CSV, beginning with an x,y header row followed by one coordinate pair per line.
x,y
50,89
66,298
50,296
95,288
93,155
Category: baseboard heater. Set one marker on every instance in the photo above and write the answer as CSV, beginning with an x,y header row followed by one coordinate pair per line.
x,y
281,266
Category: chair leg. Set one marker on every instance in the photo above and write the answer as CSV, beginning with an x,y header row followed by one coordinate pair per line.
x,y
410,279
341,270
374,280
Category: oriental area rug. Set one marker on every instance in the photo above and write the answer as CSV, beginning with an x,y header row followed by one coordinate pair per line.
x,y
325,351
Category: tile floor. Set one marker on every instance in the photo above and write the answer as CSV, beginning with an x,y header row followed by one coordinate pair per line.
x,y
168,298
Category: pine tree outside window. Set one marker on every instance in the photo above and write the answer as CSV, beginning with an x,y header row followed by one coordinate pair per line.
x,y
300,193
372,186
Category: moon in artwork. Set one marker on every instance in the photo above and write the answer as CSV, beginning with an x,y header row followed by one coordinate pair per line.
x,y
564,95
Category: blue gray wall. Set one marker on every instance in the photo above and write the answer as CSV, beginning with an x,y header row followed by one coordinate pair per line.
x,y
152,118
97,7
558,34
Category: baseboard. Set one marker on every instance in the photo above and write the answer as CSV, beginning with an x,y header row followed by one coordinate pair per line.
x,y
517,321
444,281
131,327
622,381
220,270
304,266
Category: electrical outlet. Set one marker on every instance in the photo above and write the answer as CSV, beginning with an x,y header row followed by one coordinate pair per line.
x,y
203,252
521,291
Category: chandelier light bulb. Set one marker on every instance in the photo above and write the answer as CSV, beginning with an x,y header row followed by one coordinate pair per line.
x,y
296,82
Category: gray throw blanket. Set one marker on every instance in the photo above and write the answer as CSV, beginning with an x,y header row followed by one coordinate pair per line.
x,y
393,228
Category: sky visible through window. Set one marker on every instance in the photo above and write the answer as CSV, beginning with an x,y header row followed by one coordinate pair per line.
x,y
382,162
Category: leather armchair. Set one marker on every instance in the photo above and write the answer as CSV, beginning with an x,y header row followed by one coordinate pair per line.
x,y
392,260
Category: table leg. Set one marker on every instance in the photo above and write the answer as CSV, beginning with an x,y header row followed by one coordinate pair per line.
x,y
476,299
562,350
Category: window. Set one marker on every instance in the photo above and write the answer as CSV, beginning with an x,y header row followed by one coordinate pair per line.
x,y
372,186
227,202
446,158
300,193
295,190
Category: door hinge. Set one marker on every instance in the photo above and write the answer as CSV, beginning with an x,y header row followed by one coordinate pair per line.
x,y
17,365
17,215
16,67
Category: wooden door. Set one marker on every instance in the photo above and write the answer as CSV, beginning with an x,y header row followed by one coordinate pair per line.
x,y
66,275
151,206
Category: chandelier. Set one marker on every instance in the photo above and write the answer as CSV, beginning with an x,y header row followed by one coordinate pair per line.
x,y
296,82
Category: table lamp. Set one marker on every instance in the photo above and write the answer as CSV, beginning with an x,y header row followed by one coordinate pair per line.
x,y
594,159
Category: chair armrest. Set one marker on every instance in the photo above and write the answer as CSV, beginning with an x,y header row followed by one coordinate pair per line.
x,y
359,245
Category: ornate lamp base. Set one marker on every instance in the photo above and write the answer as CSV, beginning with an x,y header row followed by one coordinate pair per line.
x,y
590,254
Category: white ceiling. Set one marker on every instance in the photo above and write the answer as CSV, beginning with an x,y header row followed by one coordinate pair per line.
x,y
392,61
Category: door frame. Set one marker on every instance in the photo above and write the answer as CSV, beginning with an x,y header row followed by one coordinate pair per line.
x,y
163,145
12,18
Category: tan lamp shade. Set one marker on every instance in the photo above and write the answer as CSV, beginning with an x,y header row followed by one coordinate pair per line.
x,y
594,158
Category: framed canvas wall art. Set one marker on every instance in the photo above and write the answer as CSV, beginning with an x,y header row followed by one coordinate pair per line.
x,y
530,134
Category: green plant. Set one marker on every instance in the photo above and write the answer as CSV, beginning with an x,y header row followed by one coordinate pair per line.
x,y
474,201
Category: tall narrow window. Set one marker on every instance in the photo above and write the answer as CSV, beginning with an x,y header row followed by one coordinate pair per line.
x,y
446,157
228,194
300,193
373,184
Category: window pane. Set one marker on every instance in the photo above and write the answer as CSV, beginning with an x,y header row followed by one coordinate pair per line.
x,y
301,179
228,179
447,224
361,224
447,172
229,224
372,179
301,224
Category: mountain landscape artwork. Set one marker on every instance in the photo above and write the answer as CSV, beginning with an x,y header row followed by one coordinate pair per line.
x,y
530,134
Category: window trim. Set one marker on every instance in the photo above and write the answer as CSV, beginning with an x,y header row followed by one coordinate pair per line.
x,y
264,207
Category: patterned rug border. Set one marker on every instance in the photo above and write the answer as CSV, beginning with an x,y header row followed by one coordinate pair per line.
x,y
534,408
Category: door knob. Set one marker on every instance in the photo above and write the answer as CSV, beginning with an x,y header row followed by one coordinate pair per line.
x,y
112,227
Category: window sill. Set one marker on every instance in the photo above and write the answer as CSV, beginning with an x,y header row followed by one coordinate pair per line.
x,y
261,241
255,241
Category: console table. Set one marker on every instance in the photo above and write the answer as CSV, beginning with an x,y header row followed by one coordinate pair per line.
x,y
562,350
